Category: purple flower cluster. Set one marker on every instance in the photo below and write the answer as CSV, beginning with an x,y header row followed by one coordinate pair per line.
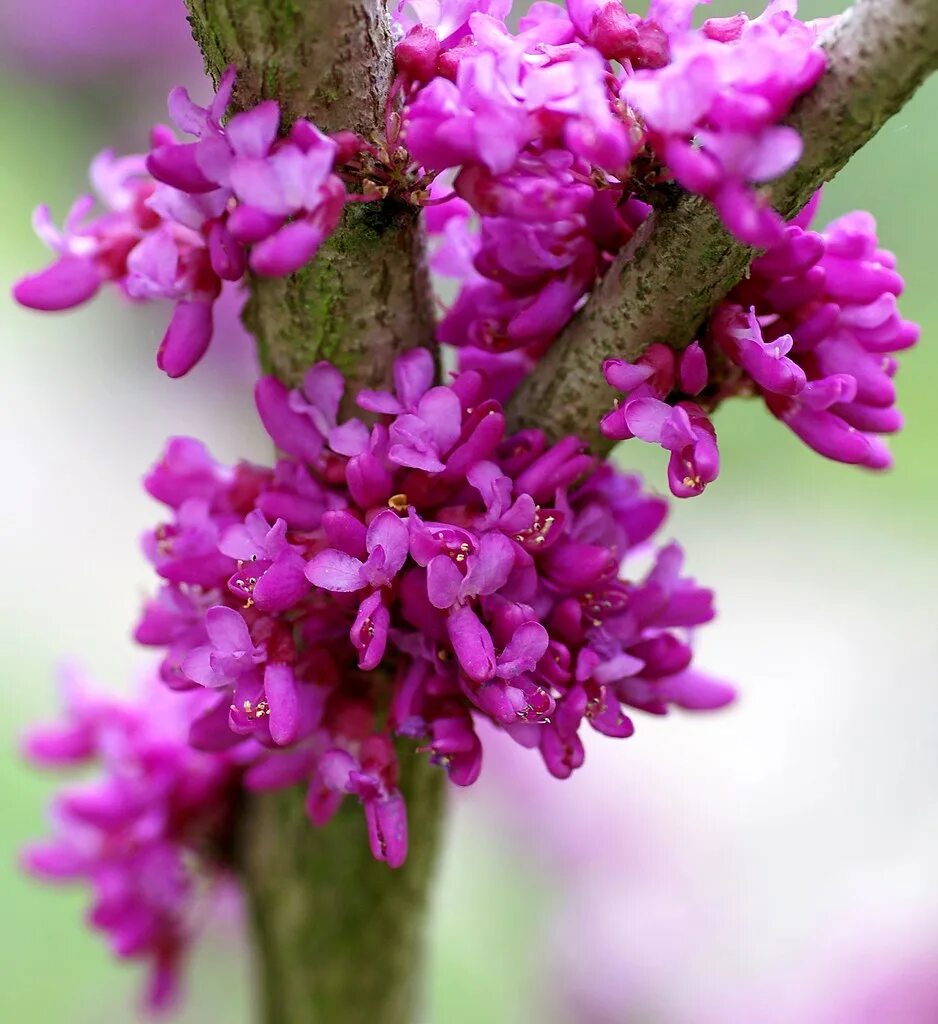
x,y
552,136
142,834
713,113
543,144
547,236
813,330
428,564
188,216
401,581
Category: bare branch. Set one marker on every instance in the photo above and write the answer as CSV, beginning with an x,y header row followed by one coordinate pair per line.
x,y
682,262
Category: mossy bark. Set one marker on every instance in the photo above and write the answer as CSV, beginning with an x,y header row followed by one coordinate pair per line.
x,y
338,936
362,301
329,60
683,261
365,298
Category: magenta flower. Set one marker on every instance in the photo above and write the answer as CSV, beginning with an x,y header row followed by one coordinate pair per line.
x,y
229,653
175,619
713,110
686,433
270,569
190,215
134,834
373,781
682,428
447,19
90,252
294,182
186,471
818,339
483,571
765,361
186,551
621,36
301,420
386,548
414,373
177,164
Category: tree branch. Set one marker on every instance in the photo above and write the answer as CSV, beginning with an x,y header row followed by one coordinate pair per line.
x,y
365,298
682,261
339,937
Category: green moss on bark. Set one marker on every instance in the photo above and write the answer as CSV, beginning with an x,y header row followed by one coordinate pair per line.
x,y
342,936
338,936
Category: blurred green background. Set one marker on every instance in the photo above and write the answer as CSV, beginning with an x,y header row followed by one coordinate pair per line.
x,y
746,847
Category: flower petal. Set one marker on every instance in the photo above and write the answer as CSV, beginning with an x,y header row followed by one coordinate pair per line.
x,y
336,571
68,282
281,691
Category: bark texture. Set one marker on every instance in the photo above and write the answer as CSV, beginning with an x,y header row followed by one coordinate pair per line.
x,y
362,301
329,60
338,936
365,298
683,261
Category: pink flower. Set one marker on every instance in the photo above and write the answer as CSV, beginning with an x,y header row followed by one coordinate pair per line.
x,y
139,835
190,215
819,336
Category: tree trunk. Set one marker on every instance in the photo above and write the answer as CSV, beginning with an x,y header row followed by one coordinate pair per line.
x,y
338,936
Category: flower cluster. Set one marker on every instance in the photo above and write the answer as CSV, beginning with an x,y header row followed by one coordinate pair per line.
x,y
398,580
713,112
554,135
547,139
188,216
813,330
145,833
429,565
542,143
